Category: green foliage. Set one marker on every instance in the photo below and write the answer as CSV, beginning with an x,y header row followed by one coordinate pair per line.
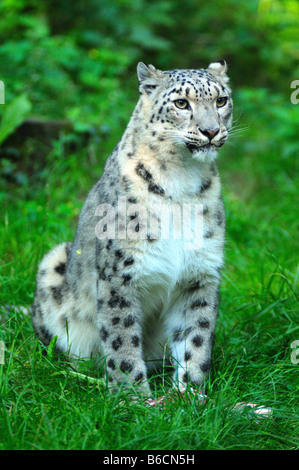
x,y
90,47
13,115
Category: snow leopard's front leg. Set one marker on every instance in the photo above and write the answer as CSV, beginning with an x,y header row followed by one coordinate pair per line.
x,y
120,326
191,332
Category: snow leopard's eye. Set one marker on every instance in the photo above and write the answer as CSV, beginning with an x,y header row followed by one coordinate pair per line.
x,y
181,104
221,101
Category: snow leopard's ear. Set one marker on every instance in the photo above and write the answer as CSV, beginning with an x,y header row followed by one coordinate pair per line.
x,y
148,77
219,69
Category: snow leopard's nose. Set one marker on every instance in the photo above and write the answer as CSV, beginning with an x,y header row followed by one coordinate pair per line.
x,y
210,133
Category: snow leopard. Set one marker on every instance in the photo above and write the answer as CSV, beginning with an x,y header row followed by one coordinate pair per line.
x,y
126,289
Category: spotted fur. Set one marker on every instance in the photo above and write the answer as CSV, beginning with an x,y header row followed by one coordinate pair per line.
x,y
132,300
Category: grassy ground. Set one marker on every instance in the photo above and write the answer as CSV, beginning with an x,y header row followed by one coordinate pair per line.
x,y
42,408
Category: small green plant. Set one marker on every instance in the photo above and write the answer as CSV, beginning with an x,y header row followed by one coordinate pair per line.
x,y
13,115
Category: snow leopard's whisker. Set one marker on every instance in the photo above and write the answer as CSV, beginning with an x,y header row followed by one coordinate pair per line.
x,y
237,130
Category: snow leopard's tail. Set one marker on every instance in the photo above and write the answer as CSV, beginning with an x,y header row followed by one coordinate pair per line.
x,y
50,287
60,310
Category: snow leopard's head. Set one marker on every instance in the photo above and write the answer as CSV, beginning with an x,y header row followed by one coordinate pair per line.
x,y
191,108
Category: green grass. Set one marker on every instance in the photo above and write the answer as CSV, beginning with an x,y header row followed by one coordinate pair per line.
x,y
45,407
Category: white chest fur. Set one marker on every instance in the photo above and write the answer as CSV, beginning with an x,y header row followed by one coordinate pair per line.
x,y
168,268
